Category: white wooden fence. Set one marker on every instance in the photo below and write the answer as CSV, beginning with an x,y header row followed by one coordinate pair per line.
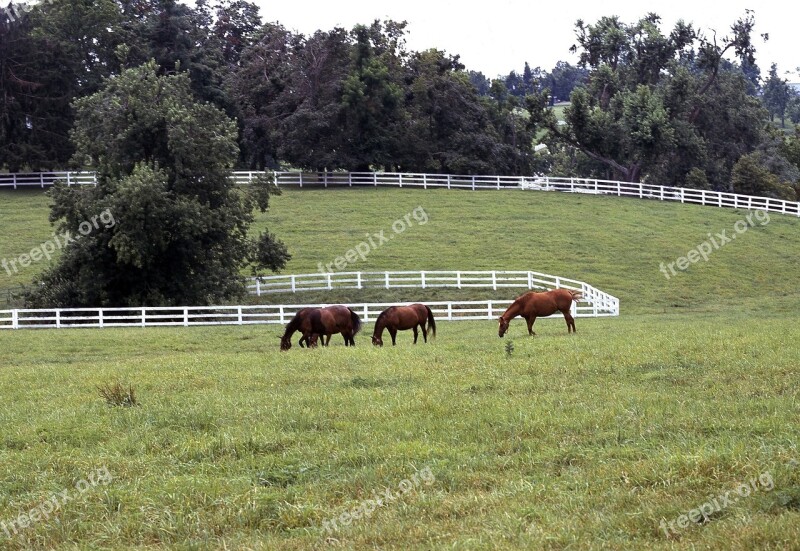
x,y
187,316
450,181
454,279
42,179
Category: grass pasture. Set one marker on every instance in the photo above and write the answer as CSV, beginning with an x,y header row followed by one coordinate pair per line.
x,y
607,439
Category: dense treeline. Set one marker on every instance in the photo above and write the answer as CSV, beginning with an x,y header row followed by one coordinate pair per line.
x,y
668,108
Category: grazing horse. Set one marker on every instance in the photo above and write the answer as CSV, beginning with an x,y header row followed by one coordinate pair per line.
x,y
533,304
401,318
330,320
322,322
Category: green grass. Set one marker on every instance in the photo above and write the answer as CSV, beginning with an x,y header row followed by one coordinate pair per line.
x,y
584,441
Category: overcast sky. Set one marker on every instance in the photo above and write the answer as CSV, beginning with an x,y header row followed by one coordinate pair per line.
x,y
501,35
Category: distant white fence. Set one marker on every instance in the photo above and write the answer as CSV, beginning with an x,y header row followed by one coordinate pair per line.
x,y
43,179
187,316
450,181
599,302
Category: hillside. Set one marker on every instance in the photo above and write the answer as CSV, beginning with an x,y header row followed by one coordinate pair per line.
x,y
617,245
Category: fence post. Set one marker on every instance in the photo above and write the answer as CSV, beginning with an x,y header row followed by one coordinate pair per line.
x,y
358,280
326,177
100,317
144,314
258,287
239,311
449,311
69,183
301,178
619,190
424,181
275,178
489,315
374,178
58,318
400,179
641,190
41,178
294,286
330,283
280,312
473,182
186,317
458,280
14,179
422,278
494,280
366,312
15,319
498,182
530,280
448,181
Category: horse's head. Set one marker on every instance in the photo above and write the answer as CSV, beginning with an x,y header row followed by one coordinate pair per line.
x,y
377,340
503,326
286,344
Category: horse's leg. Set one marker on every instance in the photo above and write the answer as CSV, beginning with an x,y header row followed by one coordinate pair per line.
x,y
393,333
416,334
570,321
530,321
424,332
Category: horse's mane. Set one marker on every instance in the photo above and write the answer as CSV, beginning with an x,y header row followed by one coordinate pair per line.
x,y
384,314
295,322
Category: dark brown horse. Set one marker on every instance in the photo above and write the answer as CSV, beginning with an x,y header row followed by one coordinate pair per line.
x,y
321,323
401,318
534,304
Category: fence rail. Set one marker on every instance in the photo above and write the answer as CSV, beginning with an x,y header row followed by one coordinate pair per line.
x,y
469,182
187,316
42,179
600,302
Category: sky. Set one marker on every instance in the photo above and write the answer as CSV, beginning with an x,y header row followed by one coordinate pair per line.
x,y
498,36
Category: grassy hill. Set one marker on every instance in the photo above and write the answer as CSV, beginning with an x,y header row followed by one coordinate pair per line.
x,y
617,245
613,438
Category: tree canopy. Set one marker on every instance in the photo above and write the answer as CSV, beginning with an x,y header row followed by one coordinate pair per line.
x,y
177,230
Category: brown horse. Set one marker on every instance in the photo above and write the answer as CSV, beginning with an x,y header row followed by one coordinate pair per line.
x,y
322,322
401,318
534,304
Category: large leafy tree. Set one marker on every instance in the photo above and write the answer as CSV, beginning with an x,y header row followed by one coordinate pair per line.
x,y
655,101
180,231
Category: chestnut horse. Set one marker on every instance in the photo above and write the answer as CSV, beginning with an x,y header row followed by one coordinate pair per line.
x,y
322,322
401,318
534,304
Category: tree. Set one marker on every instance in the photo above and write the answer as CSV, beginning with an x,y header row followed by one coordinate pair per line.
x,y
372,95
777,94
180,231
660,105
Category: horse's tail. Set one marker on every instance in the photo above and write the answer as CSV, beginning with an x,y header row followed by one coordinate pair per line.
x,y
356,321
576,295
431,321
